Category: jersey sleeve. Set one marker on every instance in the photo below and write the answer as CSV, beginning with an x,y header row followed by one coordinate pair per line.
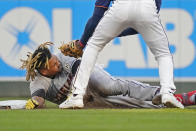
x,y
102,3
158,4
100,7
39,83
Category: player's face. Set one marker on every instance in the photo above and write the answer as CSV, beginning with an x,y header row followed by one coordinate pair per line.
x,y
54,67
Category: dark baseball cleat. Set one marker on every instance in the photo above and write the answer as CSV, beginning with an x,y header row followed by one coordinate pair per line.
x,y
157,100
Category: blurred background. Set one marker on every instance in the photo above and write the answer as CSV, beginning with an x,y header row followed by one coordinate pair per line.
x,y
24,24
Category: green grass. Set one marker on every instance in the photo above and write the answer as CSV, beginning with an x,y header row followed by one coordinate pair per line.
x,y
98,119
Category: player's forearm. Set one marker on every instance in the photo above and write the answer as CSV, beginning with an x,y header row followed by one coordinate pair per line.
x,y
40,101
158,4
35,102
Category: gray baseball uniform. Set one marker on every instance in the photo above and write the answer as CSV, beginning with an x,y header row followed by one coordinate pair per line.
x,y
105,89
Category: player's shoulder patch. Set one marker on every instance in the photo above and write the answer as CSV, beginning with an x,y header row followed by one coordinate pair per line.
x,y
67,66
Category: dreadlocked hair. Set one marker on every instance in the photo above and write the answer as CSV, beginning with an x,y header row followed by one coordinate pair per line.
x,y
36,61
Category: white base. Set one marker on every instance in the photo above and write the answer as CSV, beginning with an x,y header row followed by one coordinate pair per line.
x,y
13,104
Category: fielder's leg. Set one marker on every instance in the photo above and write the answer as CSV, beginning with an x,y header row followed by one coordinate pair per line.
x,y
109,27
155,37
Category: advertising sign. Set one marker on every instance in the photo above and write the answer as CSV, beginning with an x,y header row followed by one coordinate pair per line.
x,y
25,24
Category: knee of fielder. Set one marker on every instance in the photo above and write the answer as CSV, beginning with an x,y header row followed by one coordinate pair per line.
x,y
160,48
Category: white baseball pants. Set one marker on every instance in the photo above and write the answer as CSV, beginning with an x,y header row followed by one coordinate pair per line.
x,y
140,15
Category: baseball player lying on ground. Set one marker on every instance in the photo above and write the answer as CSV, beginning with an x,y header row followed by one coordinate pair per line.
x,y
51,76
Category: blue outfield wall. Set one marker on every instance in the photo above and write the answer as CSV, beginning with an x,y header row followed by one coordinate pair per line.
x,y
24,24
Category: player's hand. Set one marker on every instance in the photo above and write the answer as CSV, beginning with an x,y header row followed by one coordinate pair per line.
x,y
31,104
73,49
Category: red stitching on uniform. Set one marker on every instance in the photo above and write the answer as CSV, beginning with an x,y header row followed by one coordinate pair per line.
x,y
81,44
101,6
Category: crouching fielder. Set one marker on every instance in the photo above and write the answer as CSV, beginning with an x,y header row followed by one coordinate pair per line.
x,y
51,76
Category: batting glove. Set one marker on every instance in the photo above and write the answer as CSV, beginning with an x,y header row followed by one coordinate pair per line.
x,y
31,104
